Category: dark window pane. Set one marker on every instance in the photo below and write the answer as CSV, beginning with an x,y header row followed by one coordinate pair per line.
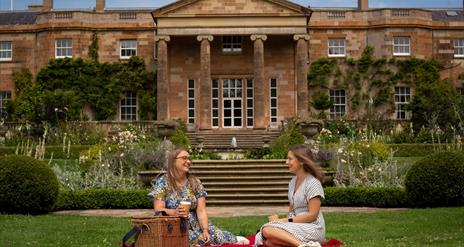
x,y
227,113
191,94
215,122
273,112
227,103
249,103
237,103
237,122
227,122
273,83
250,112
215,93
191,84
250,121
237,112
191,103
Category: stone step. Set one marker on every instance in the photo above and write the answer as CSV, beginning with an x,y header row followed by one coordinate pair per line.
x,y
242,196
256,178
256,201
246,190
244,183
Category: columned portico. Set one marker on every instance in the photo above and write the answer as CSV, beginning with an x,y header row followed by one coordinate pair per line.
x,y
205,81
162,77
260,86
301,60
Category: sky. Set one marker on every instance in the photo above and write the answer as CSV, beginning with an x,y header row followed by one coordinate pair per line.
x,y
5,5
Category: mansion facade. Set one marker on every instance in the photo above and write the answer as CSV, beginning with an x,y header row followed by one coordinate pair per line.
x,y
230,64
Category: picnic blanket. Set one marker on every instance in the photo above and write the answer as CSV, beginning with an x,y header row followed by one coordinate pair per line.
x,y
331,243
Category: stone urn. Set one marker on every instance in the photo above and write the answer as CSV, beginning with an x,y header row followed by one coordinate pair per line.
x,y
310,128
165,128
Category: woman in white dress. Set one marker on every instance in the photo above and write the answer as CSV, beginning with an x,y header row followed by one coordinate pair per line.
x,y
304,225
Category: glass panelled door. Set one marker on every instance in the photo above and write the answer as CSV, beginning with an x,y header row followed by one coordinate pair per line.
x,y
232,103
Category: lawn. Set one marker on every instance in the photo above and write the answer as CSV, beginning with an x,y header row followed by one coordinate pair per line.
x,y
415,227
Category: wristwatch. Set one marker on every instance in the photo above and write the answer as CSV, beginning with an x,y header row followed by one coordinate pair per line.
x,y
290,219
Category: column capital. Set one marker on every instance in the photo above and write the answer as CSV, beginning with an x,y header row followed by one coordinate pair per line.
x,y
296,37
207,37
262,37
166,38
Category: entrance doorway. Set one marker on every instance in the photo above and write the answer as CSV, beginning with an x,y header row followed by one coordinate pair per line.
x,y
232,103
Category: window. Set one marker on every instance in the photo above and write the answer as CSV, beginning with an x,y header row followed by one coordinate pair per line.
x,y
336,47
6,51
128,48
5,96
249,100
458,47
231,44
338,108
63,48
129,107
273,98
402,98
191,101
401,46
215,103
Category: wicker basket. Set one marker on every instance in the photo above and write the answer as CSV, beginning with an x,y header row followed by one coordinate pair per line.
x,y
161,231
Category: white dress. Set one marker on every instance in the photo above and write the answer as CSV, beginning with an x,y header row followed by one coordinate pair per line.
x,y
305,232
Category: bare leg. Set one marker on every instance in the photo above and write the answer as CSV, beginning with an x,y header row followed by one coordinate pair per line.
x,y
278,237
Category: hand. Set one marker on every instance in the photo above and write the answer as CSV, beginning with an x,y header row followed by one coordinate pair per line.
x,y
205,237
181,212
272,218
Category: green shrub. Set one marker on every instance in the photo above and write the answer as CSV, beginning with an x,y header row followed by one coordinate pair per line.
x,y
365,196
334,196
436,181
290,135
102,198
27,185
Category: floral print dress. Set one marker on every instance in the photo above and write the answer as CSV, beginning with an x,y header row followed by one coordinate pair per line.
x,y
172,198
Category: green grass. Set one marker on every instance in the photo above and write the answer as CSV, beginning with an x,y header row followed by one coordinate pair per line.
x,y
415,227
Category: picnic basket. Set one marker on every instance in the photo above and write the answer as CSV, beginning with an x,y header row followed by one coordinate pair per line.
x,y
159,231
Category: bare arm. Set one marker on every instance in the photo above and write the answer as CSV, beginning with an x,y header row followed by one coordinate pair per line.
x,y
203,218
160,205
314,206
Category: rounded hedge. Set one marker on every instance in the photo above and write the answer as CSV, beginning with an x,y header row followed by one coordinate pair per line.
x,y
436,181
27,185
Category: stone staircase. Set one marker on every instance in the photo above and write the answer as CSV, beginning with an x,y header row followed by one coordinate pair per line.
x,y
239,182
221,141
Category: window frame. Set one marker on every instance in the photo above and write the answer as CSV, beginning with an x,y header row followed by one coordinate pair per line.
x,y
191,99
121,48
273,118
6,50
67,49
235,43
123,104
400,112
336,47
336,96
459,47
5,96
401,45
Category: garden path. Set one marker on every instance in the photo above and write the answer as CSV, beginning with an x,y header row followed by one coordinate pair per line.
x,y
220,211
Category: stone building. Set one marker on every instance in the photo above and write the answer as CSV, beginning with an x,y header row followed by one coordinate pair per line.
x,y
229,65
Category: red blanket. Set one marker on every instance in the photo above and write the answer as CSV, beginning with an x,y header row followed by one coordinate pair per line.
x,y
331,243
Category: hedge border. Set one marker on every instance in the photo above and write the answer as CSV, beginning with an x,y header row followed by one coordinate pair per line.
x,y
133,199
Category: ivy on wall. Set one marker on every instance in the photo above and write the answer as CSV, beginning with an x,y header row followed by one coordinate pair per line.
x,y
65,86
370,79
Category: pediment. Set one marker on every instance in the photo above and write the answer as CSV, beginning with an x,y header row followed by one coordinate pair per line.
x,y
231,8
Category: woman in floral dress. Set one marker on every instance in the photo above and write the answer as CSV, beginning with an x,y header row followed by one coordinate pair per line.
x,y
178,185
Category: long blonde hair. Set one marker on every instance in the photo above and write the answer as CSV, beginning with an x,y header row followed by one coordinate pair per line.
x,y
172,172
304,155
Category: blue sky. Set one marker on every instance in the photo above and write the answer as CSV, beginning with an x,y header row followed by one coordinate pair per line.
x,y
22,4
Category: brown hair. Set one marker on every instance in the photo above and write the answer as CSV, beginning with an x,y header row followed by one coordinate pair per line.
x,y
172,173
304,155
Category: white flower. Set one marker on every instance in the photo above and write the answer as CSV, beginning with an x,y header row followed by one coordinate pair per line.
x,y
56,109
343,161
340,150
121,155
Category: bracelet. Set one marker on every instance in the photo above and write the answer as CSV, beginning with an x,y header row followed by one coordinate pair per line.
x,y
203,229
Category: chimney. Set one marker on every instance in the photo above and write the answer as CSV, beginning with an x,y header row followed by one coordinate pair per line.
x,y
47,5
35,7
363,5
100,6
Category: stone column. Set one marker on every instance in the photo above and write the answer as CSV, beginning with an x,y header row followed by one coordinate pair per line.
x,y
205,82
162,82
100,5
260,85
301,70
47,5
